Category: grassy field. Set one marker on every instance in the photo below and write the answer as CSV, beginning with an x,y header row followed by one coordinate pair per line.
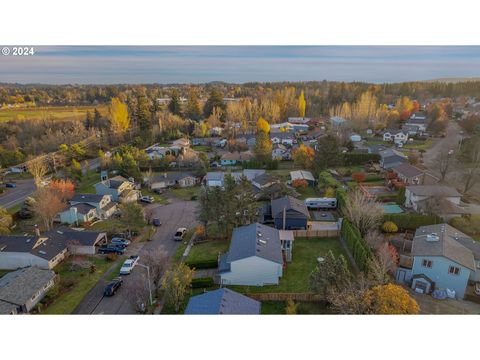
x,y
185,193
304,260
202,148
86,186
83,282
419,145
208,250
307,192
57,113
111,226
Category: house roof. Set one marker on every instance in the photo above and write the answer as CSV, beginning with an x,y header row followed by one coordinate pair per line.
x,y
83,208
301,174
289,203
433,190
222,302
393,131
84,198
445,244
116,182
19,286
408,170
391,153
375,149
264,179
215,176
255,240
282,135
171,176
71,237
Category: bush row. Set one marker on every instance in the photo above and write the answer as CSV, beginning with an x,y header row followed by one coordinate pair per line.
x,y
360,250
202,283
202,264
412,221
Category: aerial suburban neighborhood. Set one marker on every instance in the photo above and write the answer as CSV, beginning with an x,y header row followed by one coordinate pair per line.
x,y
317,197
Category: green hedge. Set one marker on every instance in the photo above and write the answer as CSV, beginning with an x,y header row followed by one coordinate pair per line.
x,y
349,159
325,179
360,250
202,283
202,264
412,221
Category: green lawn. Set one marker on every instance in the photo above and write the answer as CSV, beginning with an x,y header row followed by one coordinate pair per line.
x,y
203,148
3,272
158,198
304,260
111,226
208,250
419,145
307,192
86,186
15,208
185,193
303,308
83,281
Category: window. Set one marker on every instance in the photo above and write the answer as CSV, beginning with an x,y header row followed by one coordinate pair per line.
x,y
453,270
427,263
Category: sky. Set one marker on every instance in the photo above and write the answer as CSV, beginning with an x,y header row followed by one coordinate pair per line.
x,y
238,64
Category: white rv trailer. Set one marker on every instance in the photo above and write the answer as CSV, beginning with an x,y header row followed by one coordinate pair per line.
x,y
321,203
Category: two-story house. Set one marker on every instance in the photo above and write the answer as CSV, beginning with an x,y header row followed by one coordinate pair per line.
x,y
120,189
396,136
289,213
88,207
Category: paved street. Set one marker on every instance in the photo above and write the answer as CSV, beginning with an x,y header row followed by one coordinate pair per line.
x,y
174,215
14,196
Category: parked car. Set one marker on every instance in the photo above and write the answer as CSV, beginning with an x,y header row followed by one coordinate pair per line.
x,y
158,191
129,264
120,241
156,222
112,287
10,185
111,249
147,199
180,234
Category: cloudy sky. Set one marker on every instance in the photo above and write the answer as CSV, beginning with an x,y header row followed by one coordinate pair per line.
x,y
238,64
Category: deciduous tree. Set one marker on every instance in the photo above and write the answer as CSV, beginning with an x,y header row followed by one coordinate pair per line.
x,y
176,284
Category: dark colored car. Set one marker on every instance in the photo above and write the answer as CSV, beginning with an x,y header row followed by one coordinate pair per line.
x,y
156,222
112,287
111,249
120,242
10,185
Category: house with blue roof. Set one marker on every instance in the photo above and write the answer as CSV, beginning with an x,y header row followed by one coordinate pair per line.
x,y
255,257
222,302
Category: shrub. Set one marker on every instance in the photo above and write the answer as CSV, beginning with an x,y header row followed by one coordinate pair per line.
x,y
111,257
350,159
469,225
202,264
330,192
202,283
300,183
360,250
412,221
389,227
400,200
359,177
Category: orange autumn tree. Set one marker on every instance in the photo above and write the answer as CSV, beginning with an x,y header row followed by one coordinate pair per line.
x,y
300,183
303,156
359,177
65,189
390,299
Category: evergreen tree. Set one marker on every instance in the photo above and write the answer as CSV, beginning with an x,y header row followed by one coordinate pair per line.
x,y
193,111
215,100
89,121
174,104
143,115
327,154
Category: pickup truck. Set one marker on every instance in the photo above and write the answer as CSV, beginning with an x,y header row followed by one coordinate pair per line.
x,y
129,264
111,249
179,234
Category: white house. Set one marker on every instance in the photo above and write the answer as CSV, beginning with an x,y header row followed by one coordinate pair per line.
x,y
280,152
254,258
396,136
215,178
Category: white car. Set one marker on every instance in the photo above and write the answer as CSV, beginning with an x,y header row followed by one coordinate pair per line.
x,y
147,199
129,264
179,234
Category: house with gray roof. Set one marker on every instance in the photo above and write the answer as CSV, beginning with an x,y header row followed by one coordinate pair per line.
x,y
79,242
254,258
222,302
409,174
215,178
121,189
303,175
22,289
88,207
390,158
289,213
173,179
443,258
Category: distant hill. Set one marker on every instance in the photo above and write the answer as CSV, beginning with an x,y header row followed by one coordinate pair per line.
x,y
454,79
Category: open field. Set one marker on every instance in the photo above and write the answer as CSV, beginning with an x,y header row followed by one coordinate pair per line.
x,y
57,113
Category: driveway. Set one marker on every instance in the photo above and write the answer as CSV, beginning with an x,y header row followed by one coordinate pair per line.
x,y
174,215
429,305
14,196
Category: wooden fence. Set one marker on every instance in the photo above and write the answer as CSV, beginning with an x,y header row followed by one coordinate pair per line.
x,y
316,233
308,297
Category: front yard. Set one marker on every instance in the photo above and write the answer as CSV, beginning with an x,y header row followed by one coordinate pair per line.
x,y
208,250
74,284
186,194
296,276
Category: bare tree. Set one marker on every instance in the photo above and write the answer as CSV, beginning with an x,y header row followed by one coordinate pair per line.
x,y
363,211
137,293
38,168
443,163
47,205
157,261
374,238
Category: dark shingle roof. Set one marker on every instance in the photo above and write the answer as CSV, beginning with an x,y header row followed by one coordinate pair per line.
x,y
288,203
83,208
84,198
68,236
116,182
407,170
442,240
255,240
433,190
222,302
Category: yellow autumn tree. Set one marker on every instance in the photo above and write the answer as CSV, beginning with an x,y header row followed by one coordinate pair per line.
x,y
118,116
262,125
303,156
302,105
390,299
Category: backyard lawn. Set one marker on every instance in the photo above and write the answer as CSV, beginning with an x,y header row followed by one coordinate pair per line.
x,y
185,193
208,250
303,308
86,186
297,273
82,282
111,226
307,192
